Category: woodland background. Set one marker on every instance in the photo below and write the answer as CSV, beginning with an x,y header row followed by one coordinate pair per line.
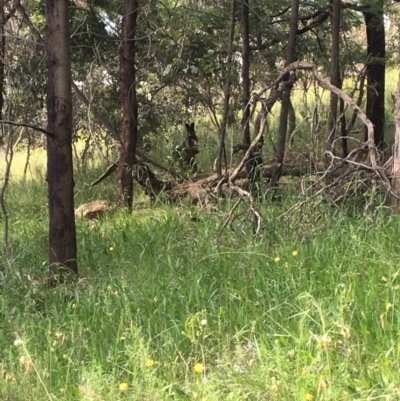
x,y
270,271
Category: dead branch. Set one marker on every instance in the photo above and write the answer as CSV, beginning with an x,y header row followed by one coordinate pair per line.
x,y
34,127
256,214
300,204
304,65
107,173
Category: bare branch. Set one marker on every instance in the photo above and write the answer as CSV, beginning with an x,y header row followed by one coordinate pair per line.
x,y
108,172
34,127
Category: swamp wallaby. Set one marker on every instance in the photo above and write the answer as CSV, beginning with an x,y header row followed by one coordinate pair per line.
x,y
186,151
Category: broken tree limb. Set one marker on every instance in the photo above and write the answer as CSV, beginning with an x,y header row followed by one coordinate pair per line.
x,y
304,65
110,169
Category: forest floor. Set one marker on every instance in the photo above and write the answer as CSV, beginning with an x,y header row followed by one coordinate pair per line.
x,y
172,306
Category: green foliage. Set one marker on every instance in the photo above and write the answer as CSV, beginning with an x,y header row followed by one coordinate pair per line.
x,y
168,308
180,65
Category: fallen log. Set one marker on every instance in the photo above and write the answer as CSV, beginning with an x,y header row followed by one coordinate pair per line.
x,y
202,189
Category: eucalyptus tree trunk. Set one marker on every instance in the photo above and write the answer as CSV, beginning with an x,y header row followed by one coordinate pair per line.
x,y
254,163
8,144
283,119
2,55
245,72
127,73
227,92
62,234
335,74
376,44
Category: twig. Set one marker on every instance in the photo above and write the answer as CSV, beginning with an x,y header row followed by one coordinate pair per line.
x,y
300,204
257,216
230,215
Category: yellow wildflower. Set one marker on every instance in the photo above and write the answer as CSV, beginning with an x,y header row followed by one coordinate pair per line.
x,y
308,396
73,306
198,367
65,356
123,386
111,248
295,253
7,377
150,363
277,259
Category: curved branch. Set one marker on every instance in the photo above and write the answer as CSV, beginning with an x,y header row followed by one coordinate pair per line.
x,y
34,127
370,143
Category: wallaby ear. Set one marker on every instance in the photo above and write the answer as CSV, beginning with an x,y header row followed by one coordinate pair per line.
x,y
192,125
187,126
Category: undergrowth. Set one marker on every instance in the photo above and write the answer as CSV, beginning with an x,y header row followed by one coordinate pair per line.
x,y
172,306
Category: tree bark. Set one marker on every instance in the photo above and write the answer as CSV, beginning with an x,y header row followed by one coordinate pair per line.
x,y
2,54
129,104
374,22
227,92
62,234
8,144
335,74
245,72
283,119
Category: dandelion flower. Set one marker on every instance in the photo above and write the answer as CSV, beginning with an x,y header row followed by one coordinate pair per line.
x,y
111,248
123,386
295,253
65,356
73,306
150,363
277,259
308,396
198,367
203,322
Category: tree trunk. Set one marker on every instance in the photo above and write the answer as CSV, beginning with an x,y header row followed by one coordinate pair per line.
x,y
8,144
245,72
335,74
396,155
2,54
374,21
129,104
283,119
62,234
227,92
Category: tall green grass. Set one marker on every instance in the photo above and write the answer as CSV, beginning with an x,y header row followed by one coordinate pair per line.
x,y
172,306
168,308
